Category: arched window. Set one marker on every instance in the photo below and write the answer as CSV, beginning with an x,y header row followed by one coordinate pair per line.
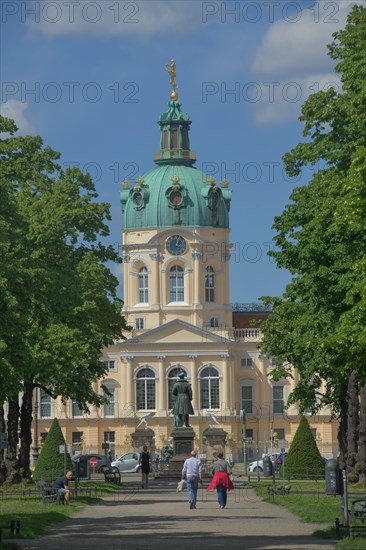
x,y
210,392
45,404
176,284
172,378
210,284
145,390
143,286
109,409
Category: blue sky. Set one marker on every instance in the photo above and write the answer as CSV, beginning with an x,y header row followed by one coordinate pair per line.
x,y
89,77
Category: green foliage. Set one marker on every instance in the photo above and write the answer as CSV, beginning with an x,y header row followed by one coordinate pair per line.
x,y
304,460
318,326
58,298
50,463
335,122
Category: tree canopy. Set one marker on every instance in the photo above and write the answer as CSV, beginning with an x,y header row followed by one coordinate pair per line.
x,y
58,298
318,325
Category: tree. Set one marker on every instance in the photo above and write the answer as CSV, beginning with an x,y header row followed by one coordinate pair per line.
x,y
335,121
303,460
51,464
68,308
318,326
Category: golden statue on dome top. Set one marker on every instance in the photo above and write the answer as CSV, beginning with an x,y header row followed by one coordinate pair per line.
x,y
171,70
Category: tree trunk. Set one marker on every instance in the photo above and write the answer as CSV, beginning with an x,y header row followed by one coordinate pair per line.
x,y
342,430
2,451
361,456
11,459
352,427
25,431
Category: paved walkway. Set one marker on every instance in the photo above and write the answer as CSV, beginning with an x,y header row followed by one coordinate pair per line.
x,y
159,517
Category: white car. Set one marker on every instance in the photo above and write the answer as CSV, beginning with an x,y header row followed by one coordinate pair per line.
x,y
257,465
128,462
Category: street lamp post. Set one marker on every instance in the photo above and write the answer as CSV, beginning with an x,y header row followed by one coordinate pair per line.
x,y
243,417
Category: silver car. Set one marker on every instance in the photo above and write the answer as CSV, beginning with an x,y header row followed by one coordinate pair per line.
x,y
128,462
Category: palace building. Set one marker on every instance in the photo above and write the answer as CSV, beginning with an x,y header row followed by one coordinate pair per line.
x,y
176,252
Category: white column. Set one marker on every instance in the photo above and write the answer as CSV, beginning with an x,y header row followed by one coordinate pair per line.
x,y
194,383
154,284
226,400
162,403
129,383
196,277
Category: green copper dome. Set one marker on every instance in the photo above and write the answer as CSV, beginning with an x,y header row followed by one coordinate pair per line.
x,y
175,193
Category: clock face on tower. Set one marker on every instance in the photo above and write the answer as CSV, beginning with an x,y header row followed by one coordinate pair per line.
x,y
176,245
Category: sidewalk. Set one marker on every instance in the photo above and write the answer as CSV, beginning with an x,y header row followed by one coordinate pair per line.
x,y
159,517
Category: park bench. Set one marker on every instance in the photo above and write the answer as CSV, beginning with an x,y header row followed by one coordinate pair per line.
x,y
112,475
357,513
49,493
13,527
356,518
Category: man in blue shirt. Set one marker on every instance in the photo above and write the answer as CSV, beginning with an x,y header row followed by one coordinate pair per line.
x,y
192,472
62,486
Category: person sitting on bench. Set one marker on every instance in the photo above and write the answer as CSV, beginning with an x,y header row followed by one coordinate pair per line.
x,y
61,484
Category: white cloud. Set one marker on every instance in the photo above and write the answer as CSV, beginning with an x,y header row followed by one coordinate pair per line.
x,y
141,18
285,101
300,47
15,110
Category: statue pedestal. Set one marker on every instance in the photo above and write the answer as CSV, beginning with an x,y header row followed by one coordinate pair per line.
x,y
141,438
183,444
215,438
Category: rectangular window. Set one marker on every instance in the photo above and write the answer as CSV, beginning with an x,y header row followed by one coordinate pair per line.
x,y
77,411
246,362
278,403
313,432
139,323
247,399
210,393
272,362
43,436
44,404
110,365
109,437
77,438
214,322
249,433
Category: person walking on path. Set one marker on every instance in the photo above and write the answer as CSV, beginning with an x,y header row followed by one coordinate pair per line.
x,y
192,473
221,472
144,463
62,486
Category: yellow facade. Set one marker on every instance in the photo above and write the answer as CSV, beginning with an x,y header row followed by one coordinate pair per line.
x,y
222,363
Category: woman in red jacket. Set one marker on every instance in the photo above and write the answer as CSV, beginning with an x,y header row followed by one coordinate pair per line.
x,y
221,479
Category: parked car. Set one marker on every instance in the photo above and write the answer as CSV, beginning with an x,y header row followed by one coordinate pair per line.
x,y
128,462
257,465
101,460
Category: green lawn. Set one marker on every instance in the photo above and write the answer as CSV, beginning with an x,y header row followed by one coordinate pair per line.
x,y
308,501
36,517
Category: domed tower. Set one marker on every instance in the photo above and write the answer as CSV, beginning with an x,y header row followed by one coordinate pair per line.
x,y
176,235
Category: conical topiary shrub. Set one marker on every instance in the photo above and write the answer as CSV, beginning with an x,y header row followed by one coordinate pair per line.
x,y
50,463
304,460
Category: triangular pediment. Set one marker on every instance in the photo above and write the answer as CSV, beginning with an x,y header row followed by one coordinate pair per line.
x,y
177,332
